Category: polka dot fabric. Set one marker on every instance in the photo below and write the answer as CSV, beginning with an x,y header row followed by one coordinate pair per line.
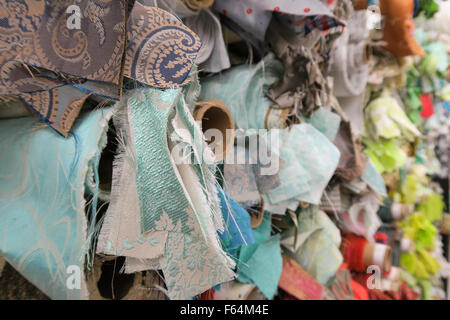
x,y
250,18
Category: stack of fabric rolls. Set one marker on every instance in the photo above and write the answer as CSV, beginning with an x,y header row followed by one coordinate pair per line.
x,y
225,149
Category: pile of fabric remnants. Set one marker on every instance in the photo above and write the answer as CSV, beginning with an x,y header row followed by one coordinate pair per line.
x,y
227,149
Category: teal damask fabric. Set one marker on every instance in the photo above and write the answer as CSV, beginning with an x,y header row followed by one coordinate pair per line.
x,y
177,204
42,182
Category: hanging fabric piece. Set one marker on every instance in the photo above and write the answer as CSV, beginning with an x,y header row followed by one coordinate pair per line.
x,y
44,225
302,85
238,230
53,69
183,230
361,218
385,119
351,163
160,50
310,160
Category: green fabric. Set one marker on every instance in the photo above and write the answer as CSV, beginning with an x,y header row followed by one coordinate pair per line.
x,y
432,207
386,156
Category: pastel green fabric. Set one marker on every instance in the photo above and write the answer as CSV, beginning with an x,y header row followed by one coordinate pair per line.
x,y
325,121
385,119
261,263
419,229
432,207
150,112
243,90
43,221
310,160
386,156
316,245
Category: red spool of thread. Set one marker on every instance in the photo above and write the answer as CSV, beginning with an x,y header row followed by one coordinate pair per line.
x,y
353,252
359,254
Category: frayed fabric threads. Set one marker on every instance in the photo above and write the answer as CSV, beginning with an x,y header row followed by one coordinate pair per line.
x,y
43,228
191,256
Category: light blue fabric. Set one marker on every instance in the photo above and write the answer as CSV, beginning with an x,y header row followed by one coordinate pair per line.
x,y
373,178
309,161
238,229
261,263
42,178
325,121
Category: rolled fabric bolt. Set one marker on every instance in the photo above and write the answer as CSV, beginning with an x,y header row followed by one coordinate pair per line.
x,y
406,245
400,211
276,118
213,114
379,255
235,291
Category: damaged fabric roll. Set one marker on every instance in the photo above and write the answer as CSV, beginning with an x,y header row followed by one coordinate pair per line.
x,y
350,57
182,224
302,85
44,225
242,89
216,121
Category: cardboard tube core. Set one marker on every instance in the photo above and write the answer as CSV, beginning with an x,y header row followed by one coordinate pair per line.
x,y
257,214
213,114
379,255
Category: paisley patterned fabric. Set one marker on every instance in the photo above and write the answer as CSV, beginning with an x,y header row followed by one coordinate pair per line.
x,y
39,54
42,178
93,52
160,50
